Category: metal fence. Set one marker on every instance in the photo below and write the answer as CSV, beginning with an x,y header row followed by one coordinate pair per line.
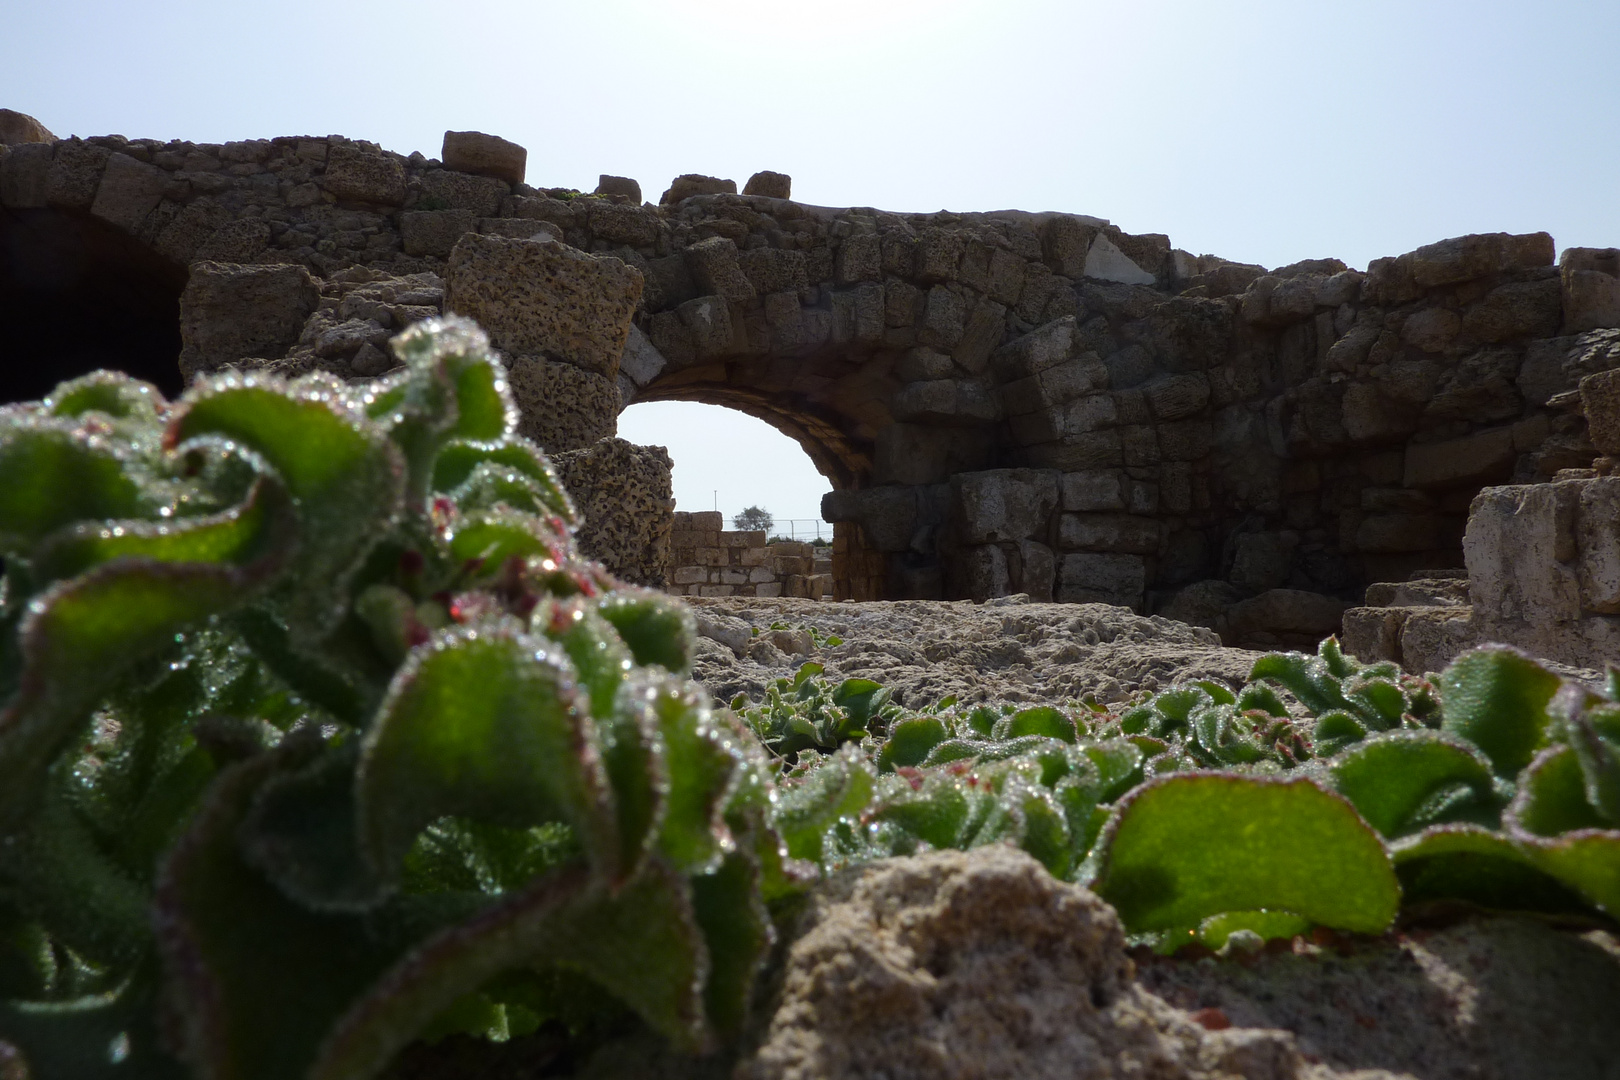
x,y
805,530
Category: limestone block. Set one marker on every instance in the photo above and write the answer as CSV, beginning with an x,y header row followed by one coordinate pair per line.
x,y
1120,533
363,176
691,575
715,268
1518,309
74,175
947,401
983,572
1597,539
239,241
938,254
230,313
435,232
1006,277
619,185
452,189
1175,397
1372,634
1037,571
1432,329
1465,258
623,492
689,184
708,521
768,588
484,155
641,360
927,453
708,323
1065,240
1092,490
1093,450
192,228
1186,440
1403,532
129,191
887,513
1590,279
1057,385
1480,457
521,229
1106,262
623,223
1518,547
770,185
1044,347
942,321
24,176
19,128
1600,400
1287,611
1003,504
980,335
859,258
1261,560
535,297
1203,603
563,407
774,269
1102,579
1432,638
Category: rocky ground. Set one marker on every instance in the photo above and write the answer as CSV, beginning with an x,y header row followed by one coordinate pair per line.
x,y
1004,650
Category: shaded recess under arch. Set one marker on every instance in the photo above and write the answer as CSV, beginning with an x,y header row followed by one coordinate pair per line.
x,y
78,294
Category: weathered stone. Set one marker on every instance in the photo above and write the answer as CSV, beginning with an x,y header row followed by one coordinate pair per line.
x,y
942,318
24,176
1286,611
362,176
1480,388
1041,348
770,185
623,492
129,191
888,513
1403,532
1600,401
860,258
946,401
75,174
1518,309
708,321
18,128
1590,279
641,361
1003,504
1466,258
563,407
1480,457
981,572
534,297
1261,561
1065,240
239,241
1092,490
1106,262
717,270
484,155
1087,578
1177,396
622,186
1432,329
689,184
772,270
1203,603
230,313
446,189
1518,546
1109,532
1037,571
1597,539
435,232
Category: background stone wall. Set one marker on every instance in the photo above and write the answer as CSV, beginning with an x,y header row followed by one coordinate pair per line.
x,y
709,560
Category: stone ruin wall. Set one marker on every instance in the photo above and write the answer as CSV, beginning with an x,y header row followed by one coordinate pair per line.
x,y
1002,402
706,559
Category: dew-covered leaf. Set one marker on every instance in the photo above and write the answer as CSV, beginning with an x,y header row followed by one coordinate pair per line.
x,y
738,932
1037,720
1308,678
53,473
1390,778
841,786
1217,929
112,392
910,741
1497,699
693,834
1478,866
658,629
1184,847
457,460
1552,796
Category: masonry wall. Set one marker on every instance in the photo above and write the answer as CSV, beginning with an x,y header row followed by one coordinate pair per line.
x,y
708,560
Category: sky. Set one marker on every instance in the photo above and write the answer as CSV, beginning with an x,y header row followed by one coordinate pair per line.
x,y
1262,132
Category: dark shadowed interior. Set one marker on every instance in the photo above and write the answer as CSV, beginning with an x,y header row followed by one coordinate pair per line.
x,y
77,295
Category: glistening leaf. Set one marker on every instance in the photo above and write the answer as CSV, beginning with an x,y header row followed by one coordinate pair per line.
x,y
1392,776
1497,699
54,473
1478,866
1187,846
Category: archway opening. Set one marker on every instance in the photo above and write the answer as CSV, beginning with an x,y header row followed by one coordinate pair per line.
x,y
77,294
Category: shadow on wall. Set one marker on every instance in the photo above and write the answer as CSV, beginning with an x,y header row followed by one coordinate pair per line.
x,y
77,294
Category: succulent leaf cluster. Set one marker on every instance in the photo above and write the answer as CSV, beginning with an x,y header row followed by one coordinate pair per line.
x,y
319,736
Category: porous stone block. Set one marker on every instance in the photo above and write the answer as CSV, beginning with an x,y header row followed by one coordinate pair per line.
x,y
770,185
75,174
623,223
1102,579
230,313
1093,489
691,575
689,184
1483,456
716,269
1519,546
1597,540
484,155
447,189
1466,258
563,407
18,128
1109,532
772,270
363,176
129,191
1037,571
1003,504
1517,309
1261,560
619,185
535,297
1176,397
623,492
983,572
1600,400
435,232
24,173
1590,279
1287,611
1041,348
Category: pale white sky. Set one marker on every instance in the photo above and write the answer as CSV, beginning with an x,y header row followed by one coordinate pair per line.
x,y
1265,132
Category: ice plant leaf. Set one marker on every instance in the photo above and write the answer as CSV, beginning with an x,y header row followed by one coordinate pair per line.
x,y
484,723
737,930
1391,776
910,741
457,460
1171,851
657,629
693,835
1038,720
1479,866
111,392
54,473
1497,699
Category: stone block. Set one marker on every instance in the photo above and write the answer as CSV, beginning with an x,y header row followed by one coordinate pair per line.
x,y
687,185
772,270
1185,440
708,521
859,258
1600,400
1102,579
1106,262
1176,397
716,269
1118,533
484,155
17,129
947,401
691,575
770,185
359,175
619,185
1287,611
563,407
1003,504
1477,458
1590,280
1597,541
1380,533
74,174
1044,347
1432,329
1093,490
1037,571
1373,634
24,176
447,189
1466,258
1261,560
1519,546
623,223
980,335
709,326
1094,450
641,360
927,454
938,254
768,588
983,572
1518,309
129,191
623,492
435,232
1065,240
942,318
521,229
230,313
535,297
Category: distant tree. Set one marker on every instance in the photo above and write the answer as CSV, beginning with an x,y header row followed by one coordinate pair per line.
x,y
753,518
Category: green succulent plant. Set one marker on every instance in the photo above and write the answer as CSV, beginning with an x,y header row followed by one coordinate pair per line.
x,y
320,736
